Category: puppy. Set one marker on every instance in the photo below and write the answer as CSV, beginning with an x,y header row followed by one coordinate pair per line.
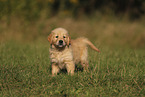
x,y
65,53
60,51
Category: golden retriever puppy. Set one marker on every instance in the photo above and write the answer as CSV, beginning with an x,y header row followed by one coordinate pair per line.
x,y
65,53
60,51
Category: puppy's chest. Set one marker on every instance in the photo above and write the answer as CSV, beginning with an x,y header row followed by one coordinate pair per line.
x,y
60,57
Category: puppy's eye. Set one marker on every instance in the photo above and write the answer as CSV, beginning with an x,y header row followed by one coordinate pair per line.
x,y
56,36
64,37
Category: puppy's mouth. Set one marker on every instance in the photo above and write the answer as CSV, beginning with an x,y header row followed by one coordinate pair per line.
x,y
61,43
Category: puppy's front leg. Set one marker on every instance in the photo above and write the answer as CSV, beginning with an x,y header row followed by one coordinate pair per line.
x,y
55,69
70,66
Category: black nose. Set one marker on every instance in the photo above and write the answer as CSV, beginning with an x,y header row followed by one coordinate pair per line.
x,y
60,41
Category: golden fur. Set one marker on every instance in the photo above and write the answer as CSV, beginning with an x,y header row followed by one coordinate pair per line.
x,y
80,51
65,53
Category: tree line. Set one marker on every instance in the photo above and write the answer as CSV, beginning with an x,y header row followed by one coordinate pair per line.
x,y
33,9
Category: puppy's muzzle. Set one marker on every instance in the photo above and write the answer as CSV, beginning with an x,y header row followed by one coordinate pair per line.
x,y
60,42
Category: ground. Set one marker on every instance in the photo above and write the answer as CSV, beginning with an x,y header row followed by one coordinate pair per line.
x,y
26,71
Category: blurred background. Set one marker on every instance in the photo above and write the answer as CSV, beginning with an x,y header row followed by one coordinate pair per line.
x,y
105,22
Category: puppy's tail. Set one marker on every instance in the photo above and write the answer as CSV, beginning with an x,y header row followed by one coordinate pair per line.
x,y
91,44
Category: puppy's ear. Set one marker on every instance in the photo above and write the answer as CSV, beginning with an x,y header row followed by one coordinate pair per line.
x,y
50,38
68,41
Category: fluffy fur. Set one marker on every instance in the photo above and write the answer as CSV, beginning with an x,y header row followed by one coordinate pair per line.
x,y
80,51
65,53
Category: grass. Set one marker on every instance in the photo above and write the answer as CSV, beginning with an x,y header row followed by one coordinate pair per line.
x,y
25,70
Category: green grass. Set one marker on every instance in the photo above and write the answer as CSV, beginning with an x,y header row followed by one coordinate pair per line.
x,y
25,70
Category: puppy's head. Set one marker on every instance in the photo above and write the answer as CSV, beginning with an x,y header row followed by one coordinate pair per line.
x,y
59,38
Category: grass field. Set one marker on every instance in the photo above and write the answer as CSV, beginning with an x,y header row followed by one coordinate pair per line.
x,y
119,70
25,70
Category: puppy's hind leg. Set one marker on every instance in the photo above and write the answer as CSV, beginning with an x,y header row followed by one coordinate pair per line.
x,y
83,59
85,65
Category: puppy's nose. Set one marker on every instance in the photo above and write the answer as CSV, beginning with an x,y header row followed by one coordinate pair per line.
x,y
60,41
